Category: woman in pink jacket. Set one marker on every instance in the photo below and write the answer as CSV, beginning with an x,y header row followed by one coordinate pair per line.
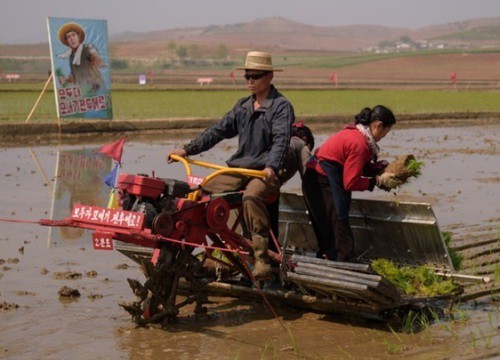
x,y
345,162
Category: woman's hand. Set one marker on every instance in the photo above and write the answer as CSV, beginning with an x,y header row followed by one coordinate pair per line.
x,y
388,181
381,165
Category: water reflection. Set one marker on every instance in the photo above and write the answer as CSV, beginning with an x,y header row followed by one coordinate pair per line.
x,y
78,180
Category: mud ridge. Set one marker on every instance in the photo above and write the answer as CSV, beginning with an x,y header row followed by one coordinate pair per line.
x,y
12,132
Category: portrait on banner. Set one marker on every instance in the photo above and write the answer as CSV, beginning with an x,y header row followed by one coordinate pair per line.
x,y
80,67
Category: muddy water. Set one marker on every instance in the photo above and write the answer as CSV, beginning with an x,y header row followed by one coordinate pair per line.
x,y
460,179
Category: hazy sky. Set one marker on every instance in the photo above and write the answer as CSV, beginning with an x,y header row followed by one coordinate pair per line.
x,y
24,21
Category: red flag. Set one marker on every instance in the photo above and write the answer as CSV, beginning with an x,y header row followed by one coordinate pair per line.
x,y
231,75
114,150
453,77
333,77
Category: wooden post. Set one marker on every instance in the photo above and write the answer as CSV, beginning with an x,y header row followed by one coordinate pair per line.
x,y
39,98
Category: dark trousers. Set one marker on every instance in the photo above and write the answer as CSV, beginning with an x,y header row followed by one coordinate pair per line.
x,y
334,235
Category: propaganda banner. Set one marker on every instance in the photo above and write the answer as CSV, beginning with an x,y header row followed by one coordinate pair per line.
x,y
80,67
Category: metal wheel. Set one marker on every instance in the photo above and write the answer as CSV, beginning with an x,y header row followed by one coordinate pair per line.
x,y
157,300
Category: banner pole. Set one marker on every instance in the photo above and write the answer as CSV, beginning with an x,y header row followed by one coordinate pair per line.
x,y
39,98
53,193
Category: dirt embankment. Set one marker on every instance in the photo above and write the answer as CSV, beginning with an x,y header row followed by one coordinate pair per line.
x,y
12,133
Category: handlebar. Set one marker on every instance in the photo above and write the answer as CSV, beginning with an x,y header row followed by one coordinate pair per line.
x,y
220,169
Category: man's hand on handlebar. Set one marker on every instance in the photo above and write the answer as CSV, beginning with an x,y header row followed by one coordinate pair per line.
x,y
271,177
178,152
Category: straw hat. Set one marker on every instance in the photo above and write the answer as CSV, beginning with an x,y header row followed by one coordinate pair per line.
x,y
257,60
71,26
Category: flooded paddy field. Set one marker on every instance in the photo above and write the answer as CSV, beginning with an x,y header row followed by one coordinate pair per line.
x,y
460,180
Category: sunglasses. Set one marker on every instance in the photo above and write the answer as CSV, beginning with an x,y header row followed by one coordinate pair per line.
x,y
255,76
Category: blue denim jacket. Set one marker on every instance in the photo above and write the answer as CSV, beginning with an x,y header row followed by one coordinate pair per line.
x,y
263,134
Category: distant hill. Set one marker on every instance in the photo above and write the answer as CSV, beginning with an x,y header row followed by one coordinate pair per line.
x,y
285,36
274,32
477,32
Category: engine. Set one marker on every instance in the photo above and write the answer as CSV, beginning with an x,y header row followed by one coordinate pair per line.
x,y
150,195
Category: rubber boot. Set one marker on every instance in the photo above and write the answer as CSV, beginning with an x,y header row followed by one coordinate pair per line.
x,y
262,266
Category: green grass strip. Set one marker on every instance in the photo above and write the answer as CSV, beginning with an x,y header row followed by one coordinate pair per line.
x,y
162,104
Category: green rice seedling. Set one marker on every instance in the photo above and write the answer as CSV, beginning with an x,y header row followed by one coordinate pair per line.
x,y
409,322
473,340
486,338
431,316
448,327
496,272
418,281
456,257
459,314
433,313
391,272
294,342
415,167
270,345
490,321
394,347
348,356
424,321
418,320
405,167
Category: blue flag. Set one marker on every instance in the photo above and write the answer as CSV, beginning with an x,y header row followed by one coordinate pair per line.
x,y
110,179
